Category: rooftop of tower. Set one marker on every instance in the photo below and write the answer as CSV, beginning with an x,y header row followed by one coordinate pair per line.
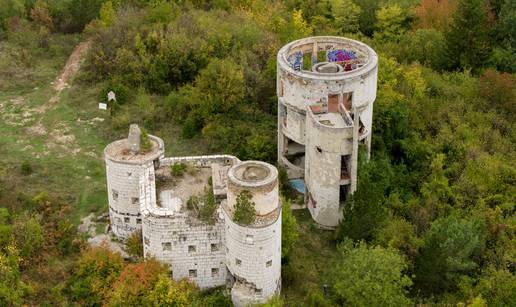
x,y
128,150
327,57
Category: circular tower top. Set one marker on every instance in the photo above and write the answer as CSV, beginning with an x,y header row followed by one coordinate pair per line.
x,y
252,174
130,151
259,178
353,57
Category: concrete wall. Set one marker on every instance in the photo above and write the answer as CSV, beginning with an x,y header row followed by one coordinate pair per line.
x,y
193,250
253,256
322,172
324,146
253,252
123,183
124,197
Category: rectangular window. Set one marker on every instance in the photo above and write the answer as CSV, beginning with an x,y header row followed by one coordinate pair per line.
x,y
258,291
249,239
192,273
333,103
127,220
214,247
269,263
214,272
238,262
114,193
146,241
138,221
348,101
167,246
191,248
135,200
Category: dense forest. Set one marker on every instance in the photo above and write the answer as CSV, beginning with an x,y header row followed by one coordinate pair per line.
x,y
432,222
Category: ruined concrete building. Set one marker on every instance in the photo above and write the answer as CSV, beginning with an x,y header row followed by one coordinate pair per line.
x,y
326,87
185,208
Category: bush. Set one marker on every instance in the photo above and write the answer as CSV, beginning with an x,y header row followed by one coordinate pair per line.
x,y
289,229
245,213
207,210
178,169
121,91
145,142
371,276
26,168
133,245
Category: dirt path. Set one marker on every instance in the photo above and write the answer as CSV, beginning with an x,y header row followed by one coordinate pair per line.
x,y
59,136
72,66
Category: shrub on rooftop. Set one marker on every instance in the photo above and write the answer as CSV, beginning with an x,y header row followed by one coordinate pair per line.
x,y
178,169
145,143
245,213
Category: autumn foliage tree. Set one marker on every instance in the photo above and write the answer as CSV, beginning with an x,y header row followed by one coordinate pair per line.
x,y
134,283
434,14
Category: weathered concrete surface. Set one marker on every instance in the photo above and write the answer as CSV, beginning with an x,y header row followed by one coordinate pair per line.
x,y
329,110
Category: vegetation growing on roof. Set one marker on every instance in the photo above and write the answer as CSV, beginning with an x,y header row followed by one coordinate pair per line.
x,y
244,213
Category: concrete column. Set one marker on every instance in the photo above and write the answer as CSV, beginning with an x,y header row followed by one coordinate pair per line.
x,y
314,54
354,152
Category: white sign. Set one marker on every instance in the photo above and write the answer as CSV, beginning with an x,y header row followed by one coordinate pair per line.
x,y
111,96
103,106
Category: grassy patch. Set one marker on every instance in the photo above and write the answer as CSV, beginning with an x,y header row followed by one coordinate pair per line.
x,y
311,261
63,142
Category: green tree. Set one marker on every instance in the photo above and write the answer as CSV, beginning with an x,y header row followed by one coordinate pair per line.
x,y
371,276
145,142
503,56
245,213
365,211
107,14
436,191
425,46
10,8
498,287
209,207
467,39
450,248
401,235
12,288
29,235
6,229
347,16
135,282
134,245
97,270
389,22
368,15
289,228
168,292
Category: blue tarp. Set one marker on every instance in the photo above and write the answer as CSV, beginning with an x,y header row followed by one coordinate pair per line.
x,y
298,185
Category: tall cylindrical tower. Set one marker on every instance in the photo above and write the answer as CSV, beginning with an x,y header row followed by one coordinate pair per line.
x,y
326,88
126,162
253,252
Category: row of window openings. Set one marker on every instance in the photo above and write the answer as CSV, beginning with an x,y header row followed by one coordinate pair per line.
x,y
238,262
193,273
128,220
167,246
134,200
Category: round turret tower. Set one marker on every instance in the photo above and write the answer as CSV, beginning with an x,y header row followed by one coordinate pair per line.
x,y
253,251
326,87
126,163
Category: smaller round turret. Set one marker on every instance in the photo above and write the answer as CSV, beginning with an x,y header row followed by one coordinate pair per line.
x,y
261,179
126,162
253,254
